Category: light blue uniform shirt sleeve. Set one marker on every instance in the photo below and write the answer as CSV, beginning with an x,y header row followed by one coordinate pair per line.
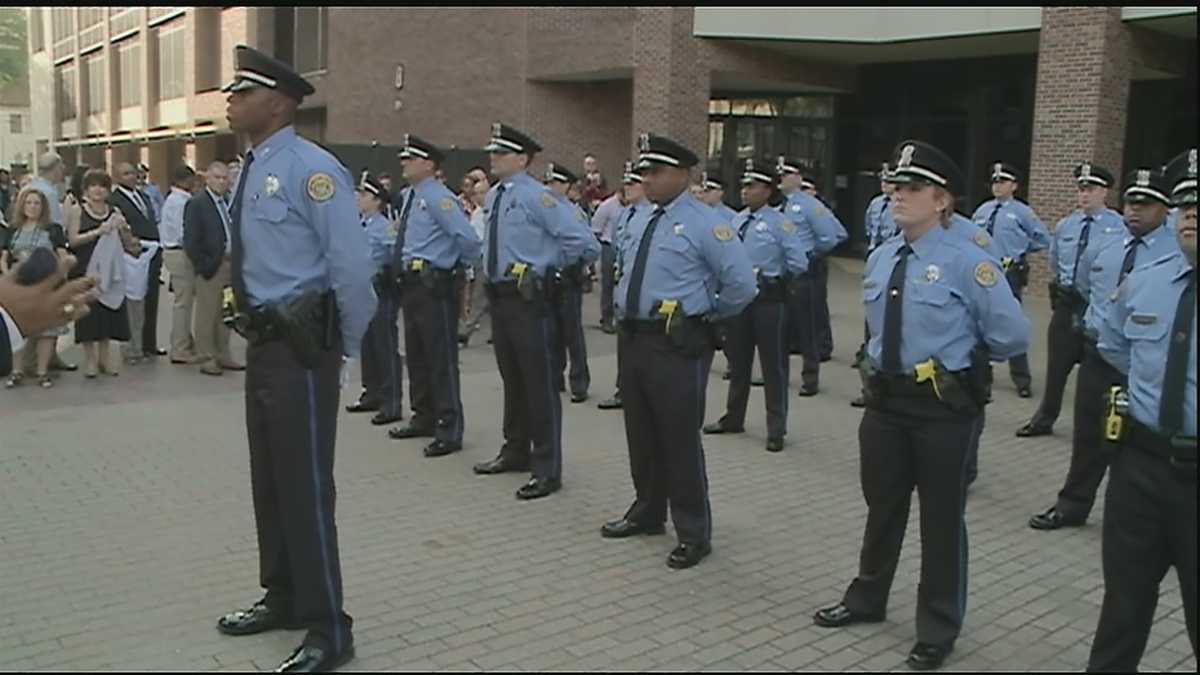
x,y
1062,274
871,219
465,243
1035,229
381,236
1000,322
807,211
736,284
571,231
576,220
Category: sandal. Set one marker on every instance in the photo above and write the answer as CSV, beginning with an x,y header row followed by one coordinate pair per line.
x,y
14,380
45,381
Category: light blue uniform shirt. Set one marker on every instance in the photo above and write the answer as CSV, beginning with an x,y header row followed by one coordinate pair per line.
x,y
1064,244
532,228
695,258
1104,270
726,212
955,298
966,231
808,213
1137,335
301,232
774,245
878,224
438,231
1017,229
381,236
622,228
591,250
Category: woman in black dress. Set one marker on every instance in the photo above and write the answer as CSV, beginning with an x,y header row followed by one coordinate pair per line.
x,y
87,223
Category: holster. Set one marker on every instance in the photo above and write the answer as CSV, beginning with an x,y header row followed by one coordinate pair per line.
x,y
385,283
956,390
309,324
872,381
772,289
978,378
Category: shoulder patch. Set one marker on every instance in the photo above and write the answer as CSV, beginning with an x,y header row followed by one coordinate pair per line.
x,y
723,232
447,204
982,240
985,274
547,200
320,187
788,226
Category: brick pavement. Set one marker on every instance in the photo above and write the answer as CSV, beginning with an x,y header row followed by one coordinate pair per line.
x,y
126,529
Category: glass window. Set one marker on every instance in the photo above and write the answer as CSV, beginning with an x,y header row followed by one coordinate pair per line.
x,y
808,106
129,81
311,38
62,23
94,71
170,63
716,139
718,107
123,20
66,92
745,140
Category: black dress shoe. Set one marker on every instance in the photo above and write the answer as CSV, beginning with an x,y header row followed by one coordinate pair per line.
x,y
807,391
839,616
719,428
613,403
410,431
1052,519
925,656
774,445
441,448
380,419
155,353
1031,430
578,398
757,382
620,529
500,465
537,488
361,406
859,402
1025,392
313,659
688,555
257,619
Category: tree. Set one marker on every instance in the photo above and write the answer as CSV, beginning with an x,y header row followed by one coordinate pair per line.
x,y
14,57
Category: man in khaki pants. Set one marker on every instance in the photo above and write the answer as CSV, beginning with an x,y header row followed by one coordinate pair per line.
x,y
183,276
207,242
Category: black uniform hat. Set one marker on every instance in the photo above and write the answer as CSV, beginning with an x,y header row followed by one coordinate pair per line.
x,y
662,150
918,161
807,182
557,172
256,69
756,174
1091,174
508,139
785,166
710,183
419,148
1147,185
368,183
632,174
1005,171
1181,176
885,170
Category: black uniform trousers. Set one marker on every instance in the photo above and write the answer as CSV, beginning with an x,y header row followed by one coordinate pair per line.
x,y
382,365
1090,452
291,426
1018,366
568,314
431,345
525,346
804,333
150,329
1065,345
1149,526
824,323
762,325
608,282
664,392
904,443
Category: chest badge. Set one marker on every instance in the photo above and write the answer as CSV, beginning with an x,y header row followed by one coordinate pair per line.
x,y
678,228
932,273
761,226
272,185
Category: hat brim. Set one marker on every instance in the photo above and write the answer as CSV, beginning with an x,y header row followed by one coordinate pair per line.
x,y
1093,180
240,84
1145,197
1186,198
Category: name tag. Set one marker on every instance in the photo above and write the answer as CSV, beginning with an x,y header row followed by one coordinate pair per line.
x,y
1144,319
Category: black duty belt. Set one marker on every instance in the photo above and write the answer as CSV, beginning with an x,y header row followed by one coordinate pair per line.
x,y
906,386
644,327
771,289
1180,451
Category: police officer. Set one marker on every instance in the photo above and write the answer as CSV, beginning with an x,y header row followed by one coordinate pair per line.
x,y
1150,512
437,238
1092,225
712,192
528,235
295,236
635,204
1108,264
777,252
808,185
571,278
1017,232
684,265
878,227
930,299
382,366
805,315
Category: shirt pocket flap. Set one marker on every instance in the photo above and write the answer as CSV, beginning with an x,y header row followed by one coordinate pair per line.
x,y
1148,327
935,295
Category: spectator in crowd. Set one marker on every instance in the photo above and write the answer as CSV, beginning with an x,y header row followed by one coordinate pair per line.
x,y
474,305
29,229
183,275
25,181
149,188
137,279
138,211
595,186
98,233
5,192
206,222
234,167
604,226
51,172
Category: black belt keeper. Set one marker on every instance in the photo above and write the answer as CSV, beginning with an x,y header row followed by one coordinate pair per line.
x,y
1179,451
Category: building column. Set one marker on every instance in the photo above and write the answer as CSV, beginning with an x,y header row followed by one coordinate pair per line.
x,y
1082,98
205,152
671,80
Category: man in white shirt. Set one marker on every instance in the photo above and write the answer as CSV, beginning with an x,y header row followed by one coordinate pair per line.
x,y
51,172
183,275
604,222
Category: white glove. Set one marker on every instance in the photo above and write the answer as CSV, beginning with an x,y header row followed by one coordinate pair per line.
x,y
347,366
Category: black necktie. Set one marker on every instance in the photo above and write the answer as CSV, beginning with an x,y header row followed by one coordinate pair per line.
x,y
633,299
745,226
991,224
493,232
1083,242
893,314
1127,263
402,229
1170,411
235,230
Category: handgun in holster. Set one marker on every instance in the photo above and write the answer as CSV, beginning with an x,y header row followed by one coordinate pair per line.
x,y
308,324
681,330
978,377
947,386
1116,409
385,282
872,381
529,286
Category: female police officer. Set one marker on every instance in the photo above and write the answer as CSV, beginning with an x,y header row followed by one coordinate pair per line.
x,y
930,299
